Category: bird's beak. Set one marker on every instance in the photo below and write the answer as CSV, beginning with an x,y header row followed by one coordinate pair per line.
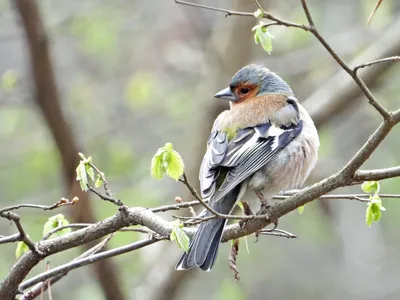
x,y
226,94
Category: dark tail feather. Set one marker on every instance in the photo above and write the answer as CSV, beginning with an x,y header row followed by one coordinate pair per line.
x,y
203,248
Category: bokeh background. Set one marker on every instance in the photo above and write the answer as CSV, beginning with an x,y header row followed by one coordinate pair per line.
x,y
133,75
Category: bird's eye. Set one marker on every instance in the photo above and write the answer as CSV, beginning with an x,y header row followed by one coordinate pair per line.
x,y
244,91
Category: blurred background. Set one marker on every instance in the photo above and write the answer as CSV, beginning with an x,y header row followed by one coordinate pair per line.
x,y
125,77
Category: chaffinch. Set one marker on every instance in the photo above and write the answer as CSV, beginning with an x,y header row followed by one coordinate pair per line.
x,y
266,141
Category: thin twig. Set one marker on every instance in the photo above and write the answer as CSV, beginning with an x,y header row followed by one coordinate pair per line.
x,y
42,286
88,260
103,178
278,232
258,5
108,196
61,202
22,235
226,11
307,12
378,61
185,181
9,239
84,225
113,200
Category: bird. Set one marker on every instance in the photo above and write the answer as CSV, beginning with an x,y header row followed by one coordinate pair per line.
x,y
265,143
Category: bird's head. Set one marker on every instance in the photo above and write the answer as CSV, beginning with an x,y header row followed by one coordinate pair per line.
x,y
251,81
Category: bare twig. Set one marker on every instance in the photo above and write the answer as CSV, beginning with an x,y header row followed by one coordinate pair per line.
x,y
22,235
378,61
41,287
226,11
307,12
111,199
9,239
61,202
258,4
88,260
103,178
278,232
378,3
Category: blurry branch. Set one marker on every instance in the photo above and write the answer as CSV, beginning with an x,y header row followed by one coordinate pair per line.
x,y
378,3
41,287
46,96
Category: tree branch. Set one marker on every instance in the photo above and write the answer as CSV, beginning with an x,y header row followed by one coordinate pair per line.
x,y
22,236
61,202
88,260
378,61
226,11
41,287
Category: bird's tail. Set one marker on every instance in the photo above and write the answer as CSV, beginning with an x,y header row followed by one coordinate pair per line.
x,y
203,248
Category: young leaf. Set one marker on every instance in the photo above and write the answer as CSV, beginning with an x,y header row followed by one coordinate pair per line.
x,y
175,165
81,176
263,37
99,182
300,209
21,249
373,213
167,161
89,171
157,168
369,215
371,187
258,14
179,236
55,222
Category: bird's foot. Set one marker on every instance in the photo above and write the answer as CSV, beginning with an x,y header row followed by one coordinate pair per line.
x,y
263,201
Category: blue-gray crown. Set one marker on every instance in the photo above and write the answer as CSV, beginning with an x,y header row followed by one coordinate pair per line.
x,y
269,82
